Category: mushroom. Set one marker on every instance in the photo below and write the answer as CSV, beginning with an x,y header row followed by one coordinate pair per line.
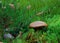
x,y
38,25
1,42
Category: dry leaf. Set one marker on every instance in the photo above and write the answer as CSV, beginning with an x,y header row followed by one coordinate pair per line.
x,y
39,13
28,7
12,6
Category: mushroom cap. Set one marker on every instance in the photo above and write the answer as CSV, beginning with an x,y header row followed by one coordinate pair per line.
x,y
37,24
1,42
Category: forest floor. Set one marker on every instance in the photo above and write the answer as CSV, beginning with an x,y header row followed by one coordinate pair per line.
x,y
20,13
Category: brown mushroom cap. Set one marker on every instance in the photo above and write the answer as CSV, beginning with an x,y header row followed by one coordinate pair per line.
x,y
37,24
1,42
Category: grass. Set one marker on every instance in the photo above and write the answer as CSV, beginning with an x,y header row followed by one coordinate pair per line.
x,y
19,13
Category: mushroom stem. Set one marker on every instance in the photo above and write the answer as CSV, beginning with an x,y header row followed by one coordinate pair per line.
x,y
41,28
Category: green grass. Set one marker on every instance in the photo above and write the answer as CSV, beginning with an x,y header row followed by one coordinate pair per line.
x,y
20,14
